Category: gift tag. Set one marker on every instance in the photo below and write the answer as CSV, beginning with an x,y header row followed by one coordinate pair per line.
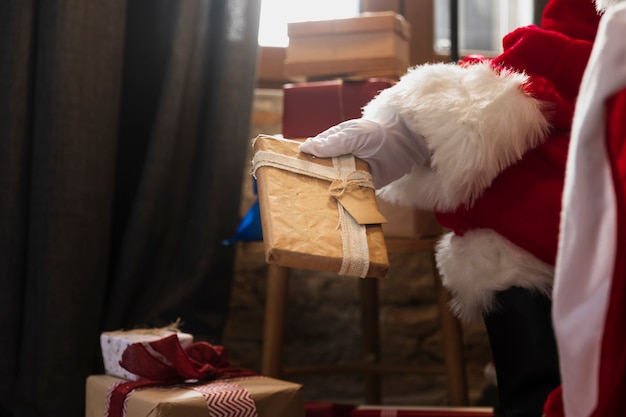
x,y
361,204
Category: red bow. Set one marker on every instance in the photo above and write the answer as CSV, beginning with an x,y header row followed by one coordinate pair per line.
x,y
201,361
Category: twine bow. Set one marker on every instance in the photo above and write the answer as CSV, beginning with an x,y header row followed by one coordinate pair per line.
x,y
353,180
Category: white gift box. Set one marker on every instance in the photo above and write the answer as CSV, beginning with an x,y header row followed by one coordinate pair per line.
x,y
113,344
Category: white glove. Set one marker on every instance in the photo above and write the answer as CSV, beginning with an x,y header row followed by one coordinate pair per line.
x,y
390,148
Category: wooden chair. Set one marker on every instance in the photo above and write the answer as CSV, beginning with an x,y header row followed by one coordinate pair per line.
x,y
273,334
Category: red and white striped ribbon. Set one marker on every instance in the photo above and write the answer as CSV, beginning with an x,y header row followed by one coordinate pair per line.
x,y
227,399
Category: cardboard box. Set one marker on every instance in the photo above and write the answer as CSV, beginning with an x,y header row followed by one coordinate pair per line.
x,y
300,219
113,344
326,409
312,107
409,411
408,223
370,44
272,397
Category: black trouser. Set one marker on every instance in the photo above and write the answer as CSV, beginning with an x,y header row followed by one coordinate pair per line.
x,y
524,351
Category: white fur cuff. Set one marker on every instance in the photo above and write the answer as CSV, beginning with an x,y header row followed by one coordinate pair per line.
x,y
480,263
602,5
476,121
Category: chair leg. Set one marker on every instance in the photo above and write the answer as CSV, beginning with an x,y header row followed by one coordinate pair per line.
x,y
370,328
452,339
275,306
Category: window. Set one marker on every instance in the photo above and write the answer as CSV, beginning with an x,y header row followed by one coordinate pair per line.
x,y
482,23
275,14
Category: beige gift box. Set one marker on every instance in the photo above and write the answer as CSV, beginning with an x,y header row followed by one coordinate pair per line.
x,y
370,44
300,218
408,223
272,398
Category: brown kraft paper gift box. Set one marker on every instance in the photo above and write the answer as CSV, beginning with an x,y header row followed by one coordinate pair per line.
x,y
300,218
272,398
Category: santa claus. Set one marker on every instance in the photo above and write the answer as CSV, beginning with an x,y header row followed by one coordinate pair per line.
x,y
590,277
484,144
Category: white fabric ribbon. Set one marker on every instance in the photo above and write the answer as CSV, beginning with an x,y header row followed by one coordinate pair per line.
x,y
342,175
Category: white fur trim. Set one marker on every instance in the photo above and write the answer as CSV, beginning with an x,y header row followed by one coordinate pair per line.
x,y
602,5
480,263
422,188
476,121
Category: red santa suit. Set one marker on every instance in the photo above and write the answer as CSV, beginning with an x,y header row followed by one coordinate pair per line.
x,y
484,144
590,280
498,131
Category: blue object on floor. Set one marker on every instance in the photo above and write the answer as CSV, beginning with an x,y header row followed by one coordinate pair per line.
x,y
250,227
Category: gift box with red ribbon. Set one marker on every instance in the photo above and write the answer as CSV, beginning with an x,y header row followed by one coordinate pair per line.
x,y
114,343
327,409
196,380
414,411
251,396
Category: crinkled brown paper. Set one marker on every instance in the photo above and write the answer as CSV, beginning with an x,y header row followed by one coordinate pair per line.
x,y
300,218
272,398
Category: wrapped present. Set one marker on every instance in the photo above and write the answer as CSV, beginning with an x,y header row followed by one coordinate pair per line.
x,y
408,222
113,344
411,411
327,409
251,396
370,44
312,107
187,381
318,213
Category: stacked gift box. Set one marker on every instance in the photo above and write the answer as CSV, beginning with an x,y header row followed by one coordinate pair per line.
x,y
164,373
348,62
368,45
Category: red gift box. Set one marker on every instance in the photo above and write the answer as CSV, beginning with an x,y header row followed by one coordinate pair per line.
x,y
325,409
312,107
399,411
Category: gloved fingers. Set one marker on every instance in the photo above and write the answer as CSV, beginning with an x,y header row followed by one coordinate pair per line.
x,y
327,146
344,138
346,125
333,129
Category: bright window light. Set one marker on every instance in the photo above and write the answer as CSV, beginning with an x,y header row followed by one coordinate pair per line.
x,y
275,14
482,23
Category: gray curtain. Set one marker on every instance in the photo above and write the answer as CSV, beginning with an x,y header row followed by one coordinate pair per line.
x,y
123,135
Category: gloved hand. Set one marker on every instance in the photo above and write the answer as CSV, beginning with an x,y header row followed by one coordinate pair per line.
x,y
390,148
